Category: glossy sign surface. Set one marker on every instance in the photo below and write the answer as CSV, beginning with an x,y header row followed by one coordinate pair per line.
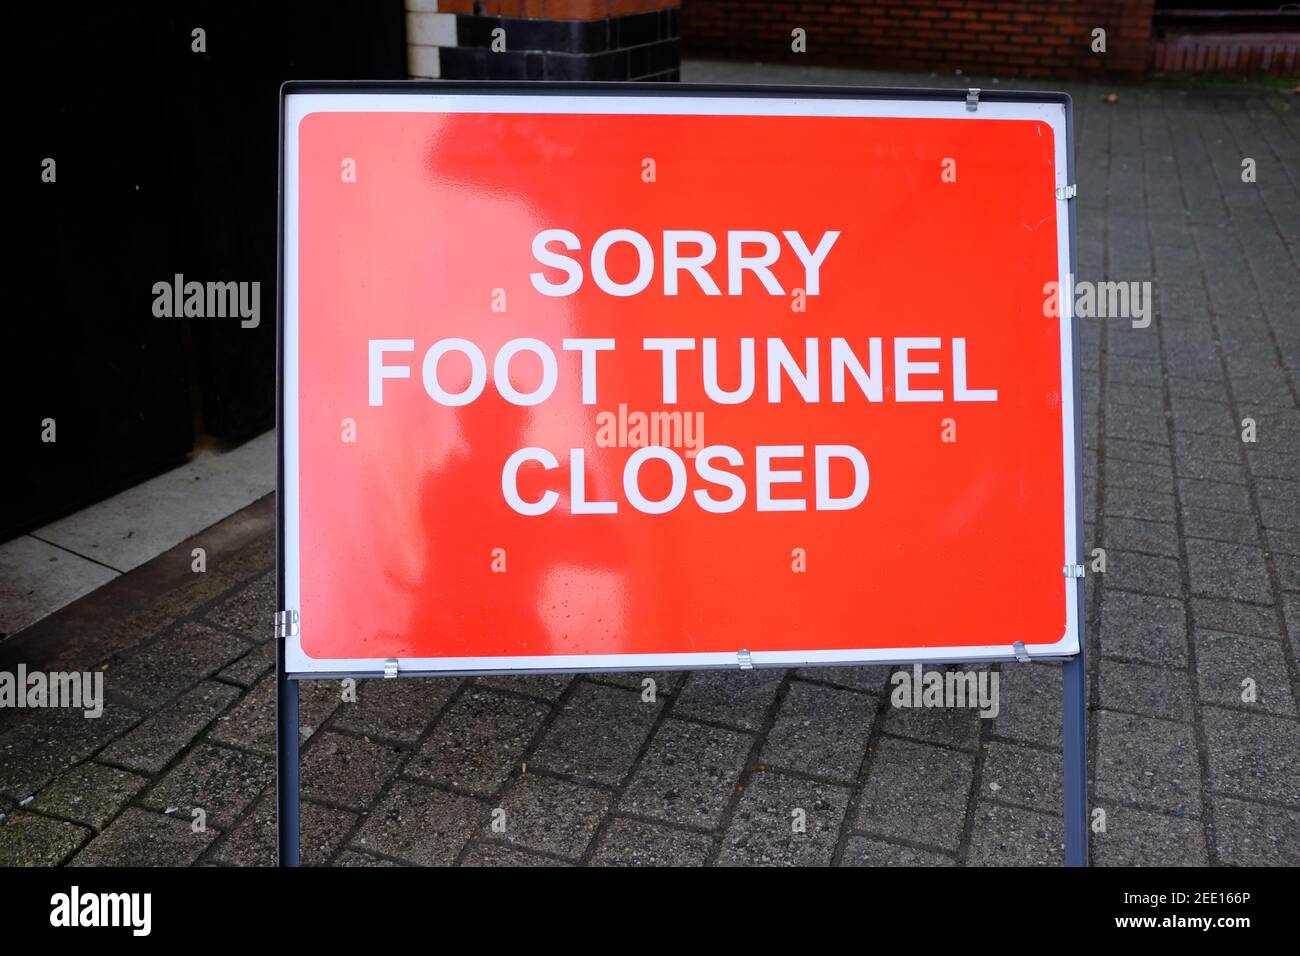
x,y
403,543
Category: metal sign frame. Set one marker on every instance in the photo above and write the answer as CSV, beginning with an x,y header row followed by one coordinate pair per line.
x,y
290,659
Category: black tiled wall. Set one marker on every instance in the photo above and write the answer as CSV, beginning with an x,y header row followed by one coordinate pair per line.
x,y
639,46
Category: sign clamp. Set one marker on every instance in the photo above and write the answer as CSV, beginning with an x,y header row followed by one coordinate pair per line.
x,y
286,624
390,668
744,659
1073,570
972,99
1067,192
1022,654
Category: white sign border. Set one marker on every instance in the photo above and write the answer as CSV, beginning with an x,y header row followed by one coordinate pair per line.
x,y
297,105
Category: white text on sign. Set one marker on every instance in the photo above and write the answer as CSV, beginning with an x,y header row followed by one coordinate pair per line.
x,y
918,369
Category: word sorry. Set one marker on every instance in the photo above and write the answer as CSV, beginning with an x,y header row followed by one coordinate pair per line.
x,y
675,262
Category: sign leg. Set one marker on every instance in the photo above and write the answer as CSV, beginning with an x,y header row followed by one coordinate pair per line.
x,y
1076,761
286,766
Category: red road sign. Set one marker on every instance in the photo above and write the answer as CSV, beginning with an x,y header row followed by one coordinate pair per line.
x,y
578,381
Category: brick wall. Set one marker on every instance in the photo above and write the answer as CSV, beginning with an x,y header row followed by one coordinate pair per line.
x,y
543,39
1002,37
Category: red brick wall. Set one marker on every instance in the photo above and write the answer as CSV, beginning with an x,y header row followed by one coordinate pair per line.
x,y
1002,37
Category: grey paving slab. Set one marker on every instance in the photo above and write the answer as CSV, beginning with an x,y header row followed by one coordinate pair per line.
x,y
1279,514
1164,692
143,838
347,770
1142,838
1285,546
397,710
740,699
91,794
1255,834
689,774
864,851
783,820
1023,776
872,679
1286,565
43,744
479,741
216,780
1245,672
1144,628
247,670
1235,571
355,858
1253,755
248,611
177,660
1214,495
250,724
633,843
420,825
1029,703
544,686
917,793
1212,469
27,839
1137,423
598,734
1192,414
1227,526
648,684
1143,573
1147,762
1009,836
153,744
1215,614
1266,463
1291,612
954,726
1133,503
820,731
253,840
549,815
492,854
1136,534
1122,450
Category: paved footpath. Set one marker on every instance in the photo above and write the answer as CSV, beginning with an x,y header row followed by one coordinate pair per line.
x,y
1200,597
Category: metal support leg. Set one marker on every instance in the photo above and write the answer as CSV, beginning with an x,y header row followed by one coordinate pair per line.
x,y
286,764
1076,761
